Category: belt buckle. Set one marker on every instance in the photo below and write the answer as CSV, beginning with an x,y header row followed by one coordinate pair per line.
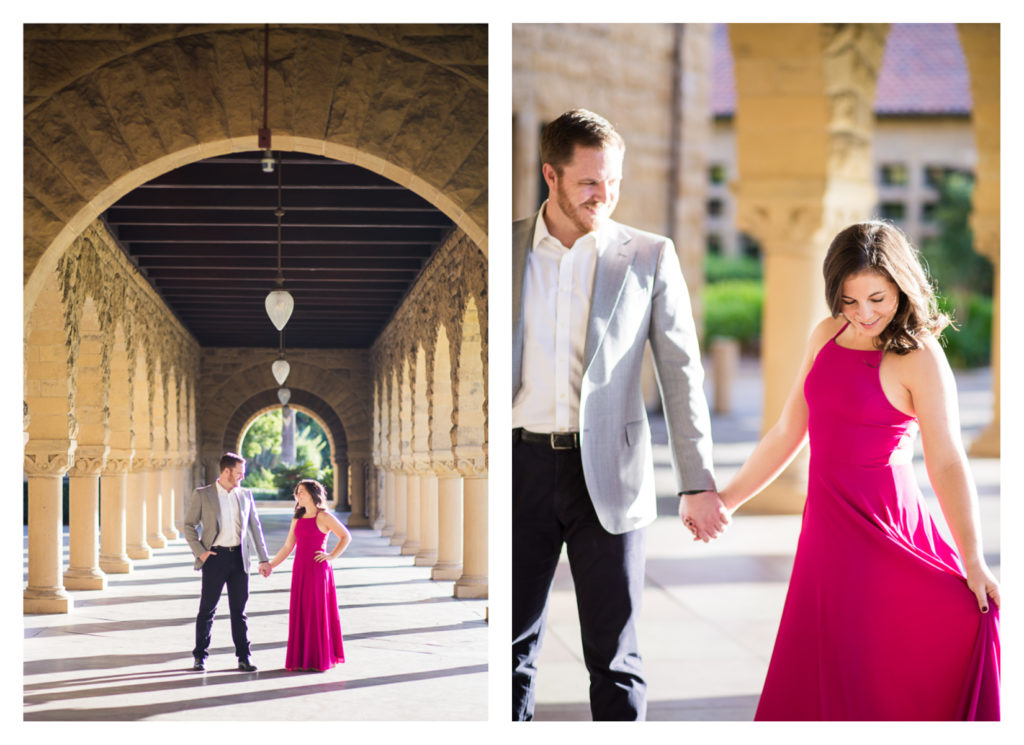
x,y
557,437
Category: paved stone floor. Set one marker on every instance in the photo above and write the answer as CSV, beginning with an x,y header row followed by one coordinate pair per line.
x,y
413,652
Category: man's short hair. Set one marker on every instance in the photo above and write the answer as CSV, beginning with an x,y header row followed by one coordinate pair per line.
x,y
559,139
230,460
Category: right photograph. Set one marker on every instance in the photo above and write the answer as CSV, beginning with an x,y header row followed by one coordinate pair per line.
x,y
755,372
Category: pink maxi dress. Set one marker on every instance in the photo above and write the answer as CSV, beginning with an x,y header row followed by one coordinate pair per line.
x,y
314,625
879,623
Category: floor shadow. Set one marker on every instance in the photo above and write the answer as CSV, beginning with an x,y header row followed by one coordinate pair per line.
x,y
262,694
715,709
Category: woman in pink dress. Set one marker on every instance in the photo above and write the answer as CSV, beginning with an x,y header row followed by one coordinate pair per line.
x,y
884,619
314,626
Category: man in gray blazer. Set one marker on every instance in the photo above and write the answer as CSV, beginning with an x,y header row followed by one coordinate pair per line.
x,y
220,523
588,294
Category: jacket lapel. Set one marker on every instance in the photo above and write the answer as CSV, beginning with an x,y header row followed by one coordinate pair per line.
x,y
522,239
608,280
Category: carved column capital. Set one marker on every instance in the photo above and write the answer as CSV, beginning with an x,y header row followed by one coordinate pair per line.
x,y
118,461
90,460
470,461
49,457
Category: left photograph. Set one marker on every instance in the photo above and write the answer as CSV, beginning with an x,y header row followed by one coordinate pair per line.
x,y
255,372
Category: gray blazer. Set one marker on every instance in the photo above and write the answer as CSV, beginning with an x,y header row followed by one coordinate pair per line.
x,y
202,524
639,295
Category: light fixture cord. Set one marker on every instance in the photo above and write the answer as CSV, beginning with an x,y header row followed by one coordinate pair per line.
x,y
266,69
280,213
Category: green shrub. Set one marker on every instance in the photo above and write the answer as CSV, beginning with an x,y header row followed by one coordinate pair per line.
x,y
733,308
266,494
286,478
725,268
970,343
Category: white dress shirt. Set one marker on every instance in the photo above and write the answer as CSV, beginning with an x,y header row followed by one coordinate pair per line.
x,y
557,289
230,517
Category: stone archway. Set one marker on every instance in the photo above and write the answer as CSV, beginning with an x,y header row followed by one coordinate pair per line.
x,y
138,101
309,403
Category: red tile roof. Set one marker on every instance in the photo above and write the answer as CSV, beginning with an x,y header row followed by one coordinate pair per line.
x,y
923,72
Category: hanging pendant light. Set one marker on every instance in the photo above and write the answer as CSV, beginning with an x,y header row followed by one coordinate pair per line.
x,y
284,396
280,368
279,303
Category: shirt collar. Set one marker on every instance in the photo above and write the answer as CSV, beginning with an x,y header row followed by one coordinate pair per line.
x,y
540,232
222,490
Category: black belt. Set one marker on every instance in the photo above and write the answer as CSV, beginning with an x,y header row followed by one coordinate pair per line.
x,y
225,548
554,440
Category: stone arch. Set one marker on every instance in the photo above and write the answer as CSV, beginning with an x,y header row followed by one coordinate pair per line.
x,y
121,439
303,401
248,385
140,397
185,93
91,375
420,399
442,397
50,425
469,433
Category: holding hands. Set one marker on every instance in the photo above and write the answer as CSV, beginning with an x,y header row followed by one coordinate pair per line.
x,y
704,515
265,568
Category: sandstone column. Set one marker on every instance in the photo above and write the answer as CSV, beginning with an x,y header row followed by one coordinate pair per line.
x,y
389,502
83,571
113,492
401,483
135,511
981,46
169,496
804,119
473,582
449,526
154,499
357,492
411,545
46,461
427,555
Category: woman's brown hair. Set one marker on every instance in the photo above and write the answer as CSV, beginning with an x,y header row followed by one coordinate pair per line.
x,y
316,491
882,248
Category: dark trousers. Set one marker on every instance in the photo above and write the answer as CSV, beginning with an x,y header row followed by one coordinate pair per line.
x,y
224,567
551,506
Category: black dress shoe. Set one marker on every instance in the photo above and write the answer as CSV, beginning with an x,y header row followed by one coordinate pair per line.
x,y
245,666
198,664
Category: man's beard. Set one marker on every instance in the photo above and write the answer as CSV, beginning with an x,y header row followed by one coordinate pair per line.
x,y
577,215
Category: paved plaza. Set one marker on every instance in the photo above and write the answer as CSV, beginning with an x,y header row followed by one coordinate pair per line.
x,y
412,651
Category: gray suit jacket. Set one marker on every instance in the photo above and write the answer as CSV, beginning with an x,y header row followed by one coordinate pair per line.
x,y
202,524
639,295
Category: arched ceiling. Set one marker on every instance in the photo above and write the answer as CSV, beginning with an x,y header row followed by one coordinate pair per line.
x,y
205,237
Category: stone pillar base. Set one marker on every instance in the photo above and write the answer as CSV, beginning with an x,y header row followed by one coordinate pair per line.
x,y
116,564
410,549
397,539
986,445
425,559
47,601
446,572
467,588
139,552
379,525
156,540
357,521
84,579
171,533
784,496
